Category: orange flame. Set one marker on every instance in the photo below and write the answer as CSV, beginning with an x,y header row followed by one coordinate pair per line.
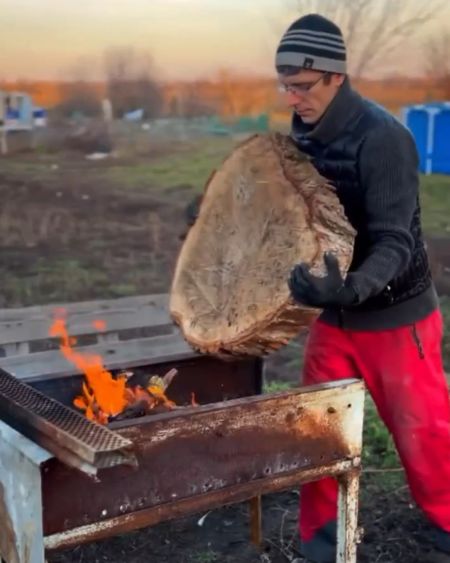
x,y
99,325
107,392
102,395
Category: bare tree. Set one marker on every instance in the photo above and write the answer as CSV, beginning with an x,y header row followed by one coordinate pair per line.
x,y
192,103
239,95
79,93
374,28
437,61
131,82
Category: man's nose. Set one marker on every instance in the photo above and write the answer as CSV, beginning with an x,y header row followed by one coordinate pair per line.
x,y
292,99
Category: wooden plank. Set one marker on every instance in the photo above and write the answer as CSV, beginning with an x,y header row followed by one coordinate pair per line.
x,y
80,322
124,354
15,348
100,306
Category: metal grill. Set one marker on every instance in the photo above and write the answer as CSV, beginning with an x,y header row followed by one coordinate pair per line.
x,y
59,428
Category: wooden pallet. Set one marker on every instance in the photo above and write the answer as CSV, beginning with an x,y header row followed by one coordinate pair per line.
x,y
138,331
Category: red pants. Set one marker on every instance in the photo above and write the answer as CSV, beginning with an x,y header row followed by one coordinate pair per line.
x,y
403,372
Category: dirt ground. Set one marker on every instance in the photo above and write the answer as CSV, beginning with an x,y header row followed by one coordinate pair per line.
x,y
72,229
73,235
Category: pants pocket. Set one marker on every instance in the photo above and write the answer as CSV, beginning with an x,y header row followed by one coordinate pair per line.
x,y
417,341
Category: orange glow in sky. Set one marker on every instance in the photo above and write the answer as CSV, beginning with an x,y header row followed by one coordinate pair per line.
x,y
53,39
187,38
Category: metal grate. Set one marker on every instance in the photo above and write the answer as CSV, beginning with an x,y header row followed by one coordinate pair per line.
x,y
31,412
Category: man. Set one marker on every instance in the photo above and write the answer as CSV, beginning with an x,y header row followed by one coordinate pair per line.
x,y
381,323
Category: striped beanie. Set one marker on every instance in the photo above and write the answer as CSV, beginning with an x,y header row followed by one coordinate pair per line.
x,y
314,43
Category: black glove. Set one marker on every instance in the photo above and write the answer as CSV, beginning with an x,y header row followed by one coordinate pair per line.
x,y
320,292
191,213
192,210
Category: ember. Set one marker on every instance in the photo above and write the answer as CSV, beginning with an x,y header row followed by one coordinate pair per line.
x,y
105,397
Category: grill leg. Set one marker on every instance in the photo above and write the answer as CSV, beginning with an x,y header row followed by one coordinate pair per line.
x,y
256,521
21,533
347,530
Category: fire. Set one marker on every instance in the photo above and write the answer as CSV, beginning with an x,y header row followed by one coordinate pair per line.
x,y
104,396
99,325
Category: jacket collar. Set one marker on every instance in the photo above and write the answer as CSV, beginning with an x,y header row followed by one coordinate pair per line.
x,y
342,110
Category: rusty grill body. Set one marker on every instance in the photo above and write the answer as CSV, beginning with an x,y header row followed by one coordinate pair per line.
x,y
236,446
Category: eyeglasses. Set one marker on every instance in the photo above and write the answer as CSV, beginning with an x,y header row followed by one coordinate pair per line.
x,y
301,88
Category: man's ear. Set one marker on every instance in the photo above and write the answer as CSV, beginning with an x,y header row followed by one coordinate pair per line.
x,y
338,79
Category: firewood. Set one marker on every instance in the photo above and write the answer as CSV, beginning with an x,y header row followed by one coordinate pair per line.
x,y
264,210
137,409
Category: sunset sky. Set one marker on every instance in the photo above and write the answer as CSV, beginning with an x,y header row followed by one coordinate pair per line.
x,y
187,38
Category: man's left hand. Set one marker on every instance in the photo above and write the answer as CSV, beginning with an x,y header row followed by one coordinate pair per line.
x,y
320,292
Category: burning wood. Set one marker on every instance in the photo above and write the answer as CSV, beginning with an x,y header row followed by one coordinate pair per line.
x,y
105,397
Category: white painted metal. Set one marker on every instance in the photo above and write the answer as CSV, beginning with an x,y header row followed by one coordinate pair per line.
x,y
432,112
21,533
348,532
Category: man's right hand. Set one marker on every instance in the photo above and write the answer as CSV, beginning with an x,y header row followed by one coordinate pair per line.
x,y
192,210
191,213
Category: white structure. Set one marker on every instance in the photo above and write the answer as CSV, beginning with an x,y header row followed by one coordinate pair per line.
x,y
16,114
